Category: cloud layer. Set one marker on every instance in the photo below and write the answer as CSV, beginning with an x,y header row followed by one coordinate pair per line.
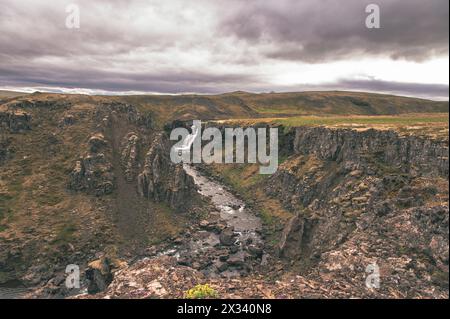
x,y
306,31
215,46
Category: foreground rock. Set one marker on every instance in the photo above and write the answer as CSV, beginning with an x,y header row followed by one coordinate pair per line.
x,y
100,273
162,277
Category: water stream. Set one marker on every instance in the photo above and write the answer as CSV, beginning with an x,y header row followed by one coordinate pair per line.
x,y
204,250
232,210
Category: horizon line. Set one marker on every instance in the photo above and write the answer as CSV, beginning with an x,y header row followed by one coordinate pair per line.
x,y
99,92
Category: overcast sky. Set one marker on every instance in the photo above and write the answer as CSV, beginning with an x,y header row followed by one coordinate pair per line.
x,y
209,46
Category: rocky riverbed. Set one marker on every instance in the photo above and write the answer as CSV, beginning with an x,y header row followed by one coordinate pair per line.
x,y
228,241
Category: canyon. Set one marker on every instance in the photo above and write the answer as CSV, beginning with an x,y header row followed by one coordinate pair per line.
x,y
88,180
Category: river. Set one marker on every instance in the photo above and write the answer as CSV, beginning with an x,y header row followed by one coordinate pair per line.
x,y
206,249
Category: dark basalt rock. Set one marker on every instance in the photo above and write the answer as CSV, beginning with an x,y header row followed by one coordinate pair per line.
x,y
364,196
162,180
5,149
93,173
99,275
411,154
130,152
227,237
15,121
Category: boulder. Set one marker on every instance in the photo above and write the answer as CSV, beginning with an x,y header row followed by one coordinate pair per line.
x,y
99,275
226,237
296,237
97,142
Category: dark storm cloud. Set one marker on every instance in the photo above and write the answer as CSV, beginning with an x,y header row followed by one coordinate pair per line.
x,y
421,90
413,89
111,81
335,29
199,82
210,46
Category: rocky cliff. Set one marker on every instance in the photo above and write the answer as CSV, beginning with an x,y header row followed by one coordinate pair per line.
x,y
128,135
80,174
161,180
357,149
14,120
366,197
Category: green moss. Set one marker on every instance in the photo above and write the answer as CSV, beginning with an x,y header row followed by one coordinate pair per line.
x,y
49,198
65,233
334,120
266,217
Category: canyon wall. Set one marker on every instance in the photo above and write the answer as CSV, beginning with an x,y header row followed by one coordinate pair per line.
x,y
365,196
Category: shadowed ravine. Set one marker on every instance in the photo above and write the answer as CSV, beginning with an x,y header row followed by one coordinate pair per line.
x,y
232,210
240,231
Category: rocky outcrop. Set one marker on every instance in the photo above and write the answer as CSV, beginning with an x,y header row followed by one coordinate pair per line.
x,y
50,104
409,250
130,153
296,237
5,149
67,120
162,180
161,277
99,274
120,154
93,173
15,120
411,154
366,197
133,116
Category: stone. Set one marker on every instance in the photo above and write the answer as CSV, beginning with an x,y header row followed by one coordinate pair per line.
x,y
130,152
163,181
292,241
255,250
97,142
221,266
226,237
67,120
236,261
204,223
99,275
15,121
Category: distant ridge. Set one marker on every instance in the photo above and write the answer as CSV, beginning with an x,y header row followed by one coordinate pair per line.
x,y
240,105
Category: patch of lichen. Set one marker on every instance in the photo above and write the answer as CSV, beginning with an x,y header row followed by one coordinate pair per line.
x,y
201,292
